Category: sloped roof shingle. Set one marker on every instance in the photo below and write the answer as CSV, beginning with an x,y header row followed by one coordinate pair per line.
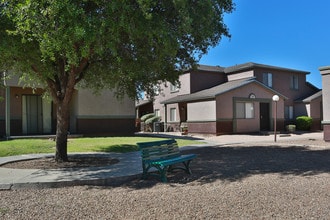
x,y
312,97
251,65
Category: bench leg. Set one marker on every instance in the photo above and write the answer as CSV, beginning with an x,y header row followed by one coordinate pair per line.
x,y
187,168
145,169
162,172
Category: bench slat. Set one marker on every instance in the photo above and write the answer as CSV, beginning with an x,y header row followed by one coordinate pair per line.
x,y
175,160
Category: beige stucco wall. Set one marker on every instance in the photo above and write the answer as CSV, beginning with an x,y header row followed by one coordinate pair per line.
x,y
167,94
241,75
202,111
12,80
105,104
316,108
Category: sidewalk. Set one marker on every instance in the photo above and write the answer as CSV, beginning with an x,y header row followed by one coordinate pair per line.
x,y
281,138
129,166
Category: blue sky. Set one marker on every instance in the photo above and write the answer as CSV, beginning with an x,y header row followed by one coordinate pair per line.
x,y
287,33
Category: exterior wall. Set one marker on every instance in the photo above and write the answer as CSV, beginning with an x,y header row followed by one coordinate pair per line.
x,y
325,72
172,125
281,83
202,111
103,114
316,113
190,83
302,109
89,114
226,109
313,110
166,93
203,127
16,122
204,80
249,124
240,75
185,85
202,117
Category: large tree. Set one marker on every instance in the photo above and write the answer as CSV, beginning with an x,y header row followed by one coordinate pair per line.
x,y
125,45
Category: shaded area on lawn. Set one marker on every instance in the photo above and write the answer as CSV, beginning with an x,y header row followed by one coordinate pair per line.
x,y
236,163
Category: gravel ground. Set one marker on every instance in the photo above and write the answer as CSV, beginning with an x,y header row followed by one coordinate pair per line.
x,y
251,181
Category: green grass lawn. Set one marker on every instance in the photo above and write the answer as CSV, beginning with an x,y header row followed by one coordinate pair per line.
x,y
106,144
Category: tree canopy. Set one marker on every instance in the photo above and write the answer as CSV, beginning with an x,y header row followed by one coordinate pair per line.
x,y
125,45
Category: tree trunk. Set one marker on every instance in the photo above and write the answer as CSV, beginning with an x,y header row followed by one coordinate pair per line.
x,y
62,112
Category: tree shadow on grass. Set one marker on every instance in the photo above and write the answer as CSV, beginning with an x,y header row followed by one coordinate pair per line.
x,y
236,163
119,148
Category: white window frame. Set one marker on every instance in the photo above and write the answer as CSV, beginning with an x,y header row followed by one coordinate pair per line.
x,y
157,112
245,110
172,114
267,79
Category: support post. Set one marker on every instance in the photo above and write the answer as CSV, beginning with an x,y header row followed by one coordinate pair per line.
x,y
325,73
275,99
165,118
7,117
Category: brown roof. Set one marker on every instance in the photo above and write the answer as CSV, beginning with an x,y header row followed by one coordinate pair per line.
x,y
208,68
251,65
142,102
312,97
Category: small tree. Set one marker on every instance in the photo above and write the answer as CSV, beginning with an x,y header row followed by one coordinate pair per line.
x,y
126,45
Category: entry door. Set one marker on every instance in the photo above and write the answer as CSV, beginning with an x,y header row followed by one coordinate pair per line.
x,y
32,114
264,117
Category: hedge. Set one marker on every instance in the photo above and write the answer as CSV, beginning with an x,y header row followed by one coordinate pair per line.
x,y
304,123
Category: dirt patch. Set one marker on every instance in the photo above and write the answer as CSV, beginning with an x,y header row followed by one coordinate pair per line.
x,y
74,162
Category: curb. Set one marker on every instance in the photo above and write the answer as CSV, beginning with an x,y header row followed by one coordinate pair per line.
x,y
111,182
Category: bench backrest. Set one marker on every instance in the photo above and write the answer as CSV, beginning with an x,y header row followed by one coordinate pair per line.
x,y
159,150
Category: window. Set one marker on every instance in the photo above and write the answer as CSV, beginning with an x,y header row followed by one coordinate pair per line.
x,y
174,88
244,110
157,112
267,79
173,114
294,82
288,112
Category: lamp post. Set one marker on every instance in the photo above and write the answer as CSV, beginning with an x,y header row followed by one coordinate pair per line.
x,y
275,99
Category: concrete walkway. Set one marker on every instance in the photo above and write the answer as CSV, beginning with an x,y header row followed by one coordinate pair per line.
x,y
129,166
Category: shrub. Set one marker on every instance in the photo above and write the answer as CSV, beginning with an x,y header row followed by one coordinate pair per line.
x,y
304,123
147,121
147,116
152,119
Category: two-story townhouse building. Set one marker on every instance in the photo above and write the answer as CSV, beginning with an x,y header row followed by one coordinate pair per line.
x,y
191,81
289,82
238,101
24,111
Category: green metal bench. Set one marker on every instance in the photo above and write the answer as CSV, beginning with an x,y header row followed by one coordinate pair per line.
x,y
163,155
